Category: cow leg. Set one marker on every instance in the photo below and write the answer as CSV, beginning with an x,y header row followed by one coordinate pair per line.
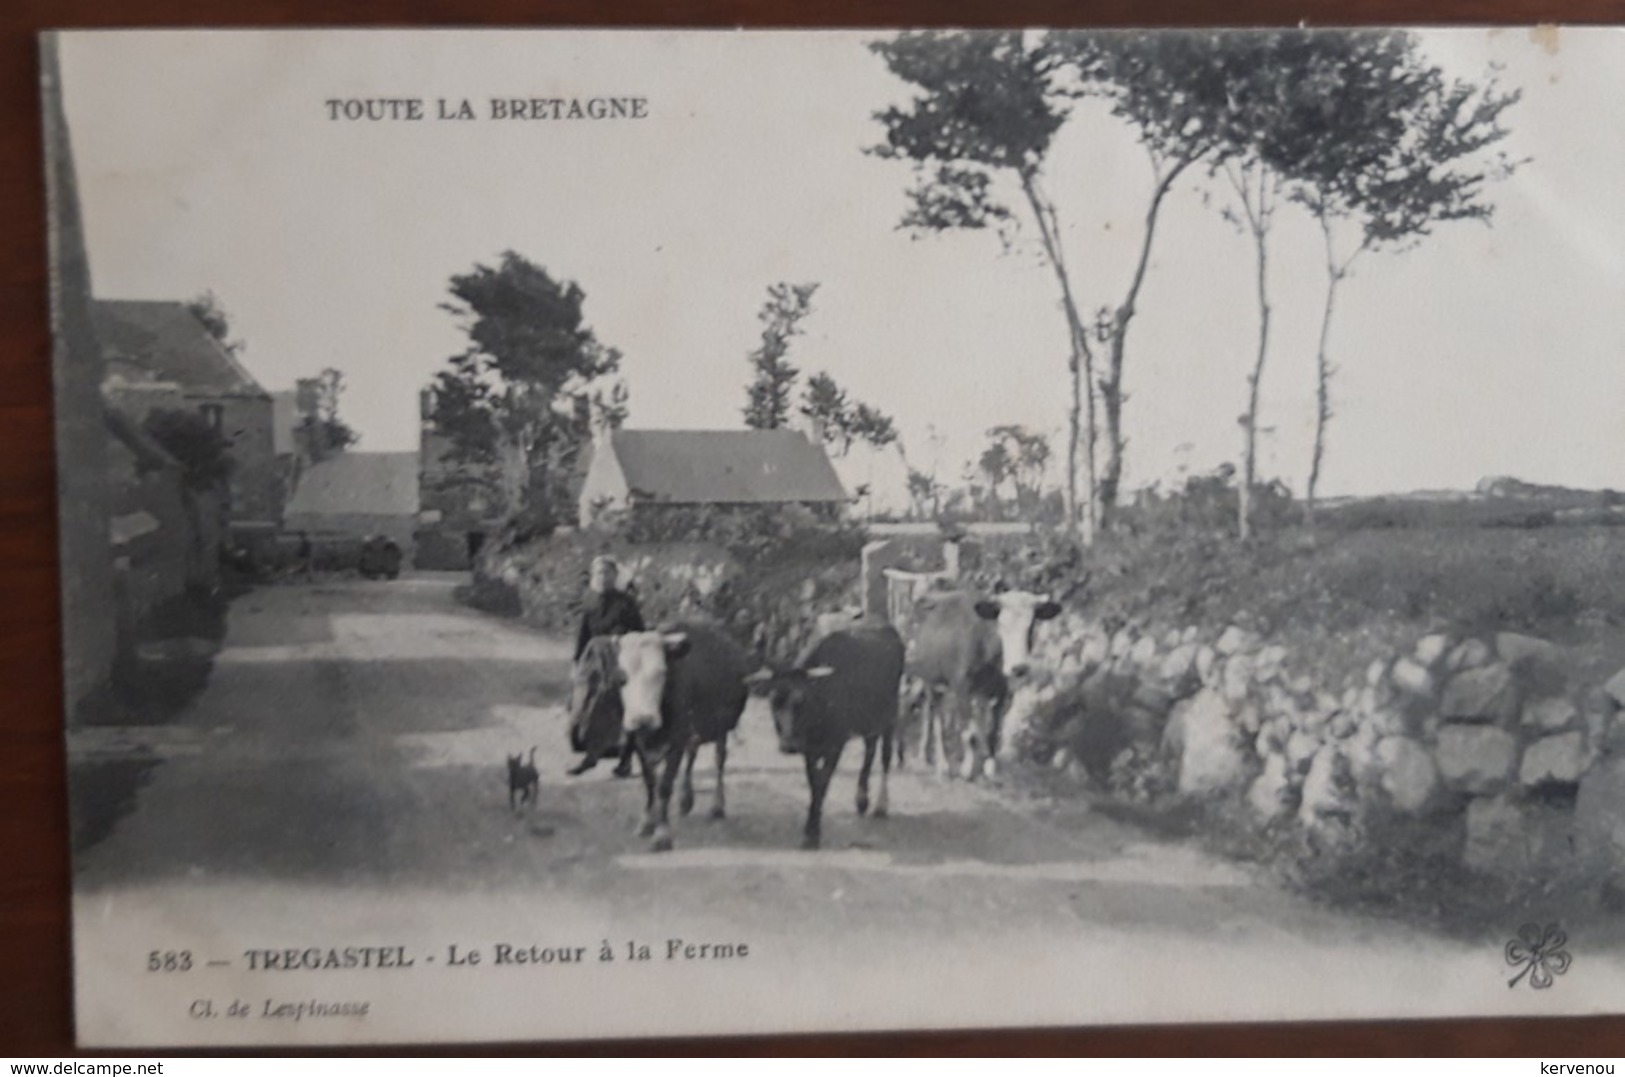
x,y
972,739
951,734
719,807
686,804
942,716
996,712
883,802
809,833
819,771
647,826
668,780
869,744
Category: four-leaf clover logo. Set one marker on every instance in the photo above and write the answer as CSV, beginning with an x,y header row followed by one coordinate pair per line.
x,y
1540,951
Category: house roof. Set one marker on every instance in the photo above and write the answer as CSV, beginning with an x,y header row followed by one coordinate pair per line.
x,y
725,466
358,483
166,338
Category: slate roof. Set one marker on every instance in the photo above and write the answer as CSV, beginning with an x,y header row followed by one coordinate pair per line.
x,y
358,483
725,466
166,338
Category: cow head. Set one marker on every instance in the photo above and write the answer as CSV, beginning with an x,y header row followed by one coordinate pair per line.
x,y
785,692
644,661
1017,613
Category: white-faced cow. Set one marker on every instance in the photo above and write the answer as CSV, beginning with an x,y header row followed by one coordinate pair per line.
x,y
673,691
962,654
845,686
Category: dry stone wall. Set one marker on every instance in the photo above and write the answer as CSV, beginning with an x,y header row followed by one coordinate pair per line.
x,y
1495,735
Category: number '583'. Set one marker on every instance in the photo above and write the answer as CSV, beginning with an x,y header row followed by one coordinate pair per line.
x,y
169,960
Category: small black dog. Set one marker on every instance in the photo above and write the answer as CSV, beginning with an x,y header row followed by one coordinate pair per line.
x,y
523,780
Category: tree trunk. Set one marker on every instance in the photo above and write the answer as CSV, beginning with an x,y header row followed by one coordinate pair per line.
x,y
1074,417
1335,273
1323,377
1111,389
1250,461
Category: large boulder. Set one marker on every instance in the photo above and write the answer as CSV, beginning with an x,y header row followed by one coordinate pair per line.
x,y
1552,715
1486,694
1616,688
1476,759
1269,664
1558,760
1328,790
1514,647
1234,640
1469,654
1599,710
1599,814
1237,679
1429,649
1207,664
1409,776
1300,749
1270,795
1179,668
1212,757
1411,677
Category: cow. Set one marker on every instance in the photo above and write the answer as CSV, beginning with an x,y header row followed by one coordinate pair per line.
x,y
844,686
673,691
963,652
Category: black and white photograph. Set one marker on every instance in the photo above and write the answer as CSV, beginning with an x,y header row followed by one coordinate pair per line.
x,y
583,534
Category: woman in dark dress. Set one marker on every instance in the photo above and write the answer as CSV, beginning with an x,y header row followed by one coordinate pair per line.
x,y
609,612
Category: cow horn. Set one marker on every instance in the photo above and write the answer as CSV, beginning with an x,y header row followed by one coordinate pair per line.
x,y
761,676
821,671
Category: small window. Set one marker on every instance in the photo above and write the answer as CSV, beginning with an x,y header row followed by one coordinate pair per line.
x,y
216,414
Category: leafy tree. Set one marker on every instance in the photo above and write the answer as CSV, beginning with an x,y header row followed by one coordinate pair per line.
x,y
1354,125
1167,87
320,430
208,309
1028,455
1412,150
522,401
925,495
984,110
844,421
773,378
203,452
997,466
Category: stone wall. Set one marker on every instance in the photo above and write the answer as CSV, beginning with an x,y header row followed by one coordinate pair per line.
x,y
1499,736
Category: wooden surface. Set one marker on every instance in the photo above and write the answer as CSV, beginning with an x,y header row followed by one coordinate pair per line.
x,y
35,1000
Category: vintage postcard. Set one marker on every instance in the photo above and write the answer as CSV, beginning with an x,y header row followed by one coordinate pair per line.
x,y
610,534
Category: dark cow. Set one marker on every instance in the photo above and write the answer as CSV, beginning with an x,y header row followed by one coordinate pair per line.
x,y
962,655
672,691
845,686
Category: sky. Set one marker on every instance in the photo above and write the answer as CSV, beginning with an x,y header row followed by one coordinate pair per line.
x,y
209,161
